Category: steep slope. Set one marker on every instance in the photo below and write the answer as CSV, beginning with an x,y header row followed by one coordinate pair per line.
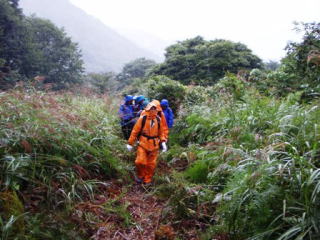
x,y
103,48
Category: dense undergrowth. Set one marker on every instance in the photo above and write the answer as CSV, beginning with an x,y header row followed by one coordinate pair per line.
x,y
250,167
56,152
243,159
241,165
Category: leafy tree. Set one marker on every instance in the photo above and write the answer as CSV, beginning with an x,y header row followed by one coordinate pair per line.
x,y
53,54
12,34
33,46
160,87
13,43
15,4
204,62
296,61
137,68
101,82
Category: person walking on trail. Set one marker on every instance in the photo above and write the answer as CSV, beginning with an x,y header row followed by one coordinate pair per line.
x,y
150,133
127,116
167,112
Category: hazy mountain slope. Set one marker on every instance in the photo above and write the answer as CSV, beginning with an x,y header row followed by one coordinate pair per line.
x,y
146,40
103,48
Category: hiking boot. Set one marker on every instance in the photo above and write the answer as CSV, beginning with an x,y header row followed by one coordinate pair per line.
x,y
138,180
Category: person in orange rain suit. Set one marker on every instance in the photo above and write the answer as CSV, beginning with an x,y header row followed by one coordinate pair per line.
x,y
150,133
162,117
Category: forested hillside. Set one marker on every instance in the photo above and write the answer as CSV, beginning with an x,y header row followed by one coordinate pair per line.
x,y
103,49
243,159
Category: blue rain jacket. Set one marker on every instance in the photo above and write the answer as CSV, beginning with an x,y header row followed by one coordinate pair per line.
x,y
169,116
126,114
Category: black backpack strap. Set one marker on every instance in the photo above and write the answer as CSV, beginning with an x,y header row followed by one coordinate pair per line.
x,y
159,120
144,119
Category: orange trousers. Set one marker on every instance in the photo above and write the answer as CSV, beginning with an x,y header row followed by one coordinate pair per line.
x,y
146,162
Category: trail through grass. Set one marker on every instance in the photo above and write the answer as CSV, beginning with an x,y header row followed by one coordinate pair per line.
x,y
246,169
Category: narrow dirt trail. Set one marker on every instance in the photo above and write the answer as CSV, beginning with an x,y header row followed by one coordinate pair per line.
x,y
145,211
122,211
125,210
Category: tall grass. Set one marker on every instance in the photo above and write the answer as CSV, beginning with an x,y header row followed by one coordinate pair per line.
x,y
260,155
57,149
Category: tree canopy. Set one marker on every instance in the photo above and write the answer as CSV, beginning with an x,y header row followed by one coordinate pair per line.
x,y
12,34
204,62
303,58
137,68
54,54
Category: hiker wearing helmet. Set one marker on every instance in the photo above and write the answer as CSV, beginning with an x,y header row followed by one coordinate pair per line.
x,y
167,112
126,116
149,132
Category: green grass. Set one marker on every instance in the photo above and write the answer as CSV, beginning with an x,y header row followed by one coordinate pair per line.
x,y
244,167
262,154
57,148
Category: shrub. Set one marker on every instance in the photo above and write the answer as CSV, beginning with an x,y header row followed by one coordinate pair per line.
x,y
160,87
195,95
232,85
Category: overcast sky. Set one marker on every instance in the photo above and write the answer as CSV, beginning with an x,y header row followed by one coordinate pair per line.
x,y
265,26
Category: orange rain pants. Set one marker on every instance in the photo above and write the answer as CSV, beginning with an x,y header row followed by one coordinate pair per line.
x,y
146,162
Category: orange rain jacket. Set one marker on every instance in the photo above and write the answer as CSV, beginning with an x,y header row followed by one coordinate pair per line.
x,y
150,136
162,117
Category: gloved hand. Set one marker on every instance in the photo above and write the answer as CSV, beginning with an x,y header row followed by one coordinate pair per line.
x,y
129,147
164,147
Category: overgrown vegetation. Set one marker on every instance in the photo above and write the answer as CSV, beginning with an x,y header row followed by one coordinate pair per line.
x,y
56,150
244,152
253,155
248,154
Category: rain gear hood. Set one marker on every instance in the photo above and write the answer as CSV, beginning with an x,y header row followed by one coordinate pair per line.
x,y
167,112
161,116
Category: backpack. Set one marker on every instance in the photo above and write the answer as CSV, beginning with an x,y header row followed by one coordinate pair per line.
x,y
144,119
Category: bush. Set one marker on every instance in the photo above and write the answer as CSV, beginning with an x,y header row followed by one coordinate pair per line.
x,y
101,82
232,85
196,95
257,75
160,87
281,83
